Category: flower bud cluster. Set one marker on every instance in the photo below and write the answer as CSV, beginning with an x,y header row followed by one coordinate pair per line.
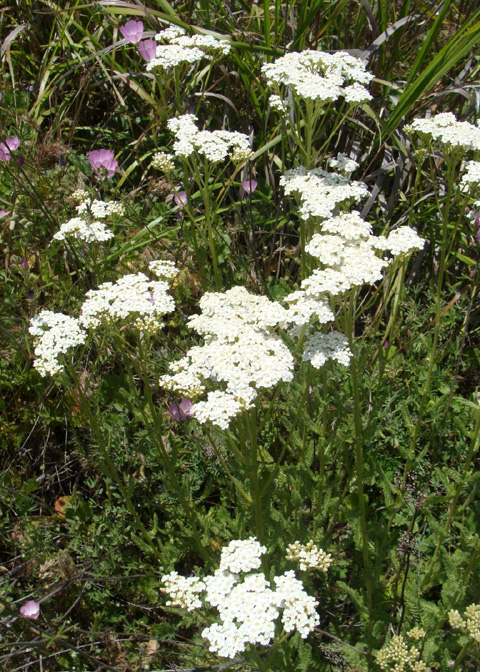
x,y
319,76
213,145
162,161
309,556
135,299
176,47
399,657
247,605
446,130
86,226
470,623
241,353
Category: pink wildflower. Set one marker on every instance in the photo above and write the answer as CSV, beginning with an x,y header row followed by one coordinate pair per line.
x,y
30,609
148,49
132,31
249,186
181,198
103,158
7,147
182,410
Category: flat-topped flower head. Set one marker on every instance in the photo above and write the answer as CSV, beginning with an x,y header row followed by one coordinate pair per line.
x,y
213,145
175,47
319,348
246,603
135,299
319,76
319,192
86,226
241,355
55,334
471,176
446,130
309,556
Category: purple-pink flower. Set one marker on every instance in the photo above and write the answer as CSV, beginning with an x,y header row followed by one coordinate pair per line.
x,y
147,49
103,158
181,198
182,410
249,186
7,147
3,213
30,609
132,31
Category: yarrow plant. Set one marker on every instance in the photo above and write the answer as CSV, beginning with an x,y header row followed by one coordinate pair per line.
x,y
175,47
447,131
248,605
214,146
400,656
134,300
86,226
304,83
309,556
241,353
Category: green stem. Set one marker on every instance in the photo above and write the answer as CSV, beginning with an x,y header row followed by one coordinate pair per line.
x,y
359,458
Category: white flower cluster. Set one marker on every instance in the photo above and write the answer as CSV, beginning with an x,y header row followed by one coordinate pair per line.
x,y
309,556
213,145
164,268
86,226
241,352
318,76
319,191
445,129
134,298
319,348
343,164
183,590
54,333
162,161
78,228
247,605
242,555
471,176
403,240
348,252
177,47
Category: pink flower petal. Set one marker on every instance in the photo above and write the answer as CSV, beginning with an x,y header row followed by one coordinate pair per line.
x,y
132,31
148,49
30,609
